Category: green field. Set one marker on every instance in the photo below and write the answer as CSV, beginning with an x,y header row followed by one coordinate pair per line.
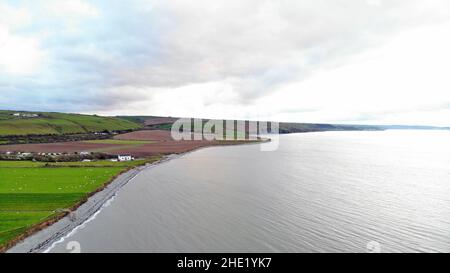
x,y
105,163
20,164
59,123
32,192
101,163
54,180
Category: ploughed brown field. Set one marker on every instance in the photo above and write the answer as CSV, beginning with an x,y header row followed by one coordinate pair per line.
x,y
146,135
161,143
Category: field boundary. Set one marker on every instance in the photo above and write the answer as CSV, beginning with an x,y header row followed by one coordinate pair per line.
x,y
52,219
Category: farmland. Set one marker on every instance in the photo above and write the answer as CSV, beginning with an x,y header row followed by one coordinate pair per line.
x,y
34,192
138,144
43,123
118,142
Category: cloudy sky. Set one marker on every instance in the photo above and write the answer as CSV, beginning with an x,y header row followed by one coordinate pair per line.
x,y
334,61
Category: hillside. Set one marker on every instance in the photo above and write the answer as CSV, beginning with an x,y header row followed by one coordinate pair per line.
x,y
165,123
286,128
22,123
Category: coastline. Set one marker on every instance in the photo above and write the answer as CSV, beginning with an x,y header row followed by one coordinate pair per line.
x,y
42,237
46,234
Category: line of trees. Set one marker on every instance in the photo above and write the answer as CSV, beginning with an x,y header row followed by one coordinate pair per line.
x,y
28,139
55,157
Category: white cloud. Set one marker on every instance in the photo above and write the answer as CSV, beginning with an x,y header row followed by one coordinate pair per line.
x,y
73,8
408,75
13,17
19,55
403,82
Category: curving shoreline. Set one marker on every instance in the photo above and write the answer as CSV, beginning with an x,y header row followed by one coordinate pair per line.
x,y
52,232
45,235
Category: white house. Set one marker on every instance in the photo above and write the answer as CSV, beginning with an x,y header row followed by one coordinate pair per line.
x,y
25,115
125,158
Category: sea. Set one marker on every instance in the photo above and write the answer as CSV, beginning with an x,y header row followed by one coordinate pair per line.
x,y
369,191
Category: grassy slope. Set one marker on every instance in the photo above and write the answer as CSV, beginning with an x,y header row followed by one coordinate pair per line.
x,y
31,195
284,126
60,123
137,119
32,192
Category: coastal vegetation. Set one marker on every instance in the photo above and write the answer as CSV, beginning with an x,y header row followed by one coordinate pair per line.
x,y
32,193
165,123
19,123
28,139
63,160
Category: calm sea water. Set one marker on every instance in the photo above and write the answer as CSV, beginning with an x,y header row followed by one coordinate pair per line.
x,y
320,192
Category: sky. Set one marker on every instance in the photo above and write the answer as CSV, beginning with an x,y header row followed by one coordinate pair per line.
x,y
328,61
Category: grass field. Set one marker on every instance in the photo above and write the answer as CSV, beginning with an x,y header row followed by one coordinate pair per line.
x,y
60,123
20,164
32,192
101,163
54,180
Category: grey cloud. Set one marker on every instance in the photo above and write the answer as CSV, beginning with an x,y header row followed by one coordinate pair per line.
x,y
254,45
260,44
